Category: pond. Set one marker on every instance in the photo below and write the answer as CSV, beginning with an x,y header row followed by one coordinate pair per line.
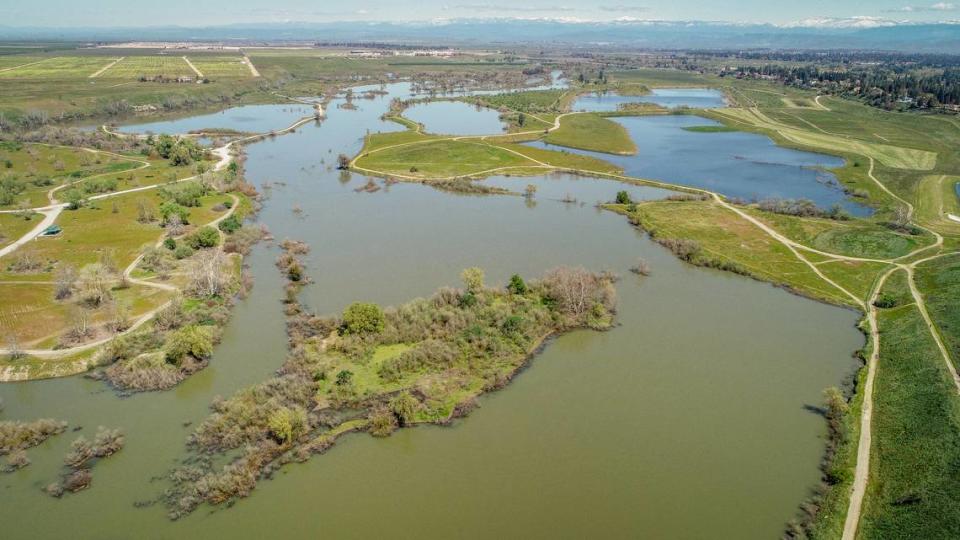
x,y
737,164
683,421
698,98
246,118
455,118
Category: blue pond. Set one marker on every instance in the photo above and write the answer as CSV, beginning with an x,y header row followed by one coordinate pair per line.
x,y
699,98
736,164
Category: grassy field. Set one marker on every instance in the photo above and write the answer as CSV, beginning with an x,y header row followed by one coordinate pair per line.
x,y
529,102
13,226
108,227
725,238
29,311
594,133
939,282
855,237
411,154
892,156
35,169
441,158
915,469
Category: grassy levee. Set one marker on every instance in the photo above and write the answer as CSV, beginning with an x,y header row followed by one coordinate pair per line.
x,y
594,133
915,470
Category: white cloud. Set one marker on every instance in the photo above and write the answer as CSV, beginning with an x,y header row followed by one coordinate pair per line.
x,y
862,21
939,6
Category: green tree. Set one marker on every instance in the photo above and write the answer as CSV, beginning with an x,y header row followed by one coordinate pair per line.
x,y
623,198
362,318
170,208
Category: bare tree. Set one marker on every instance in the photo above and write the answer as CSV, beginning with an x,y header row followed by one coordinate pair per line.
x,y
66,279
209,274
95,284
13,347
78,319
145,213
577,291
174,225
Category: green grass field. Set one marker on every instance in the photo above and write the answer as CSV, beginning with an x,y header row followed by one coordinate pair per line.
x,y
594,133
13,226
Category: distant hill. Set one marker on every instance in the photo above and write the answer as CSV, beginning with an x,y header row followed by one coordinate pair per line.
x,y
817,34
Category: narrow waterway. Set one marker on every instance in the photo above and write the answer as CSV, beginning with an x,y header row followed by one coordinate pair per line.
x,y
687,420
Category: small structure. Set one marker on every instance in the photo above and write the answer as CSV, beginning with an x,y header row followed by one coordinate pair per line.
x,y
53,230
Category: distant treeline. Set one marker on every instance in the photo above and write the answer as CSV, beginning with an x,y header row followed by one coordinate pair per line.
x,y
882,79
888,87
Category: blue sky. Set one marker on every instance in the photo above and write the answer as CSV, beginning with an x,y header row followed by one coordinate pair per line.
x,y
206,12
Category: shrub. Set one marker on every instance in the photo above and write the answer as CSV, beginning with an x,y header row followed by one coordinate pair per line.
x,y
287,425
362,318
517,285
623,198
170,243
190,340
382,423
206,237
885,300
230,225
183,251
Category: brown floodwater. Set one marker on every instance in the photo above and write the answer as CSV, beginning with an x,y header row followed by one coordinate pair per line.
x,y
687,420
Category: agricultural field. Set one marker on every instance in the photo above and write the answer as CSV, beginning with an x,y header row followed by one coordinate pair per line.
x,y
214,67
133,67
57,67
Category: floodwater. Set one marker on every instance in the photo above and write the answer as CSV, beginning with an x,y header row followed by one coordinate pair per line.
x,y
687,420
737,164
455,118
246,118
672,98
